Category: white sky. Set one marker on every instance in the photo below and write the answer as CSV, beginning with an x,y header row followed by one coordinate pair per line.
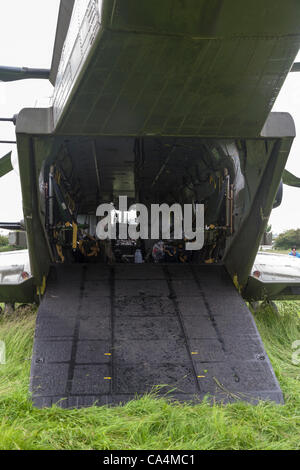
x,y
27,32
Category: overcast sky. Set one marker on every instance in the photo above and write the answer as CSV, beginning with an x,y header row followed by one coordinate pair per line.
x,y
27,32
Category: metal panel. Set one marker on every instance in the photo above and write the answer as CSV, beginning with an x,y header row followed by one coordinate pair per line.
x,y
127,329
23,292
64,18
183,68
174,86
5,165
83,29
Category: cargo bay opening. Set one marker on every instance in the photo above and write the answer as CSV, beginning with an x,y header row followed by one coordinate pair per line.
x,y
160,323
85,172
235,178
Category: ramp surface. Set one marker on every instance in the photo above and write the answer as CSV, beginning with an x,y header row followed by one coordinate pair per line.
x,y
106,334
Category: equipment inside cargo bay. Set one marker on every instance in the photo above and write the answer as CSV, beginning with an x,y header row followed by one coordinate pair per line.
x,y
87,172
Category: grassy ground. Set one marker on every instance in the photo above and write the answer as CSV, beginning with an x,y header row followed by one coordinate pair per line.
x,y
5,249
149,423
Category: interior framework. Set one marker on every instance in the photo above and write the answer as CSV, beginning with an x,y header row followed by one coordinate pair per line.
x,y
84,172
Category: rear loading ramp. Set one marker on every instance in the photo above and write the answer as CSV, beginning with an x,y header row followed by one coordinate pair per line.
x,y
177,68
106,334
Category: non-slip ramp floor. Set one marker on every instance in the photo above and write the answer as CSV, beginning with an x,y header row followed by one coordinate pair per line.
x,y
107,334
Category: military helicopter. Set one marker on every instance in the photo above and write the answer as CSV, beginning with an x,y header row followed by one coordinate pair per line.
x,y
163,102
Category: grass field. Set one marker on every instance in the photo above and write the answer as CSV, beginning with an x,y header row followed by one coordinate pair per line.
x,y
149,423
7,248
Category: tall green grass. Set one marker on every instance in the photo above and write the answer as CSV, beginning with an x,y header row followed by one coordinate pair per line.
x,y
150,423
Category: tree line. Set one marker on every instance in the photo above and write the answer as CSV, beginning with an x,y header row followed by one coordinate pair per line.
x,y
4,240
288,239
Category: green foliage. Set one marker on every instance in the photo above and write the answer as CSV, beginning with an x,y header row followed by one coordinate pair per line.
x,y
3,240
5,249
288,239
269,228
148,422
